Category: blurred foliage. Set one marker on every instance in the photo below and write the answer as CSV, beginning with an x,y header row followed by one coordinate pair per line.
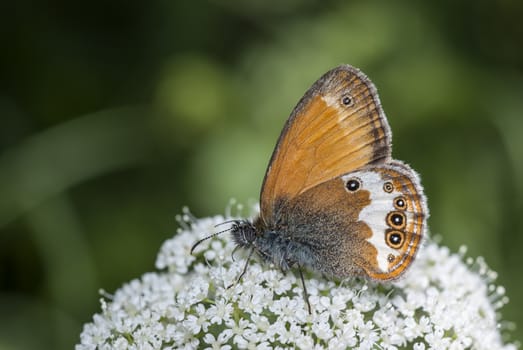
x,y
116,114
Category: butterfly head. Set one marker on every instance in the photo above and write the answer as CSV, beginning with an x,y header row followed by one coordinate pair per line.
x,y
244,233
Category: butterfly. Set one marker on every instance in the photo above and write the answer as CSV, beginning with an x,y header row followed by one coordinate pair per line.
x,y
333,200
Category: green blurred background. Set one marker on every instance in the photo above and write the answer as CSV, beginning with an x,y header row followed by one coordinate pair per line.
x,y
115,114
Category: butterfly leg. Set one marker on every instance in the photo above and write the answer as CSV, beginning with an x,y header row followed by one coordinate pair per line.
x,y
244,268
286,263
233,252
305,293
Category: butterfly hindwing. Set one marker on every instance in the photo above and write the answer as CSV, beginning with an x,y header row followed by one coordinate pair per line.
x,y
369,222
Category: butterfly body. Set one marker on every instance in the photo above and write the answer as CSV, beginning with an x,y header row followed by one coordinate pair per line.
x,y
333,199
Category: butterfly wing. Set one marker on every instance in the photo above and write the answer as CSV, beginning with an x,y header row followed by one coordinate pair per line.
x,y
396,218
337,127
369,222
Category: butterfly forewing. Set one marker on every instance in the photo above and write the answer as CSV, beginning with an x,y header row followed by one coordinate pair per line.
x,y
337,127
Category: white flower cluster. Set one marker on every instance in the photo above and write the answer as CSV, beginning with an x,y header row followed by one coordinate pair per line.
x,y
441,303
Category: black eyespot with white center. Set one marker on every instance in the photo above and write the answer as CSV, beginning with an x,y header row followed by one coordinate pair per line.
x,y
388,187
394,239
396,219
353,184
400,203
347,100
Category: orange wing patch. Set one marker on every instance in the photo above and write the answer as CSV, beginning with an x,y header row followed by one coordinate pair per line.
x,y
337,127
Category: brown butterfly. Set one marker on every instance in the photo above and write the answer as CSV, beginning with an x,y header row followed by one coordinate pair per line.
x,y
333,200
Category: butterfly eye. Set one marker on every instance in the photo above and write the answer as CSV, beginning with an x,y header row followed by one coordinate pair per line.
x,y
395,239
388,187
353,185
347,100
399,203
396,220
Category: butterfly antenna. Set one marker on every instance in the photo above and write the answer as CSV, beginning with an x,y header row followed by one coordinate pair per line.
x,y
305,293
227,222
208,237
244,268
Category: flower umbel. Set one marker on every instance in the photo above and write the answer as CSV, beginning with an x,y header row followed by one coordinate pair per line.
x,y
440,303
